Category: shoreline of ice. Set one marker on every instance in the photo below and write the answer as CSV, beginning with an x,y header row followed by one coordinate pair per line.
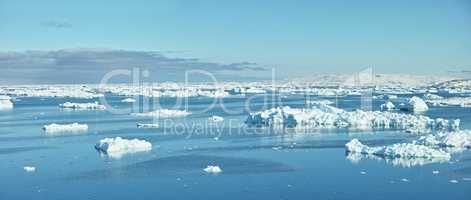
x,y
326,116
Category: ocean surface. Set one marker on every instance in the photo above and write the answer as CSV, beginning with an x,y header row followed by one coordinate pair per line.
x,y
257,163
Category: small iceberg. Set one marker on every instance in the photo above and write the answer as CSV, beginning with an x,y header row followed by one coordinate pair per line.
x,y
415,104
212,169
401,150
163,113
83,106
29,168
60,128
5,102
117,147
387,106
142,125
128,100
429,96
215,118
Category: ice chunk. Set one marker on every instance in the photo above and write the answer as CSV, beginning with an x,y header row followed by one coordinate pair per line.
x,y
163,113
128,100
215,118
453,181
213,169
5,102
141,125
415,104
387,106
83,106
60,128
117,147
402,150
29,168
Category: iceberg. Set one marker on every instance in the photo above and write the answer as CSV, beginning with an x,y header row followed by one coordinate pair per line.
x,y
215,118
415,104
29,168
400,150
213,169
83,106
117,147
163,113
60,128
5,102
457,139
464,102
429,96
128,100
326,116
387,106
316,102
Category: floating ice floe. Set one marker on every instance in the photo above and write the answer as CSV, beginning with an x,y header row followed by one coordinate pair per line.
x,y
60,128
464,102
72,91
83,106
128,100
387,106
322,101
325,116
213,169
5,102
163,113
401,150
429,96
117,147
141,125
215,118
457,139
415,104
29,168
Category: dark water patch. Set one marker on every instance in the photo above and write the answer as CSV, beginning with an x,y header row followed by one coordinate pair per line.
x,y
284,145
13,150
188,165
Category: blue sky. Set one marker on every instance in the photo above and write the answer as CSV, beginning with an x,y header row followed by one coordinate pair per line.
x,y
295,37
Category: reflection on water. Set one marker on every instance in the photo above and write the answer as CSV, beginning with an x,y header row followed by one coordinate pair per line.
x,y
399,162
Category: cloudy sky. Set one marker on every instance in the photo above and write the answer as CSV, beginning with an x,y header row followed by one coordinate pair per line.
x,y
78,41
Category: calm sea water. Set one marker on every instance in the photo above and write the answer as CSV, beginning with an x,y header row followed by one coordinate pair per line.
x,y
256,163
